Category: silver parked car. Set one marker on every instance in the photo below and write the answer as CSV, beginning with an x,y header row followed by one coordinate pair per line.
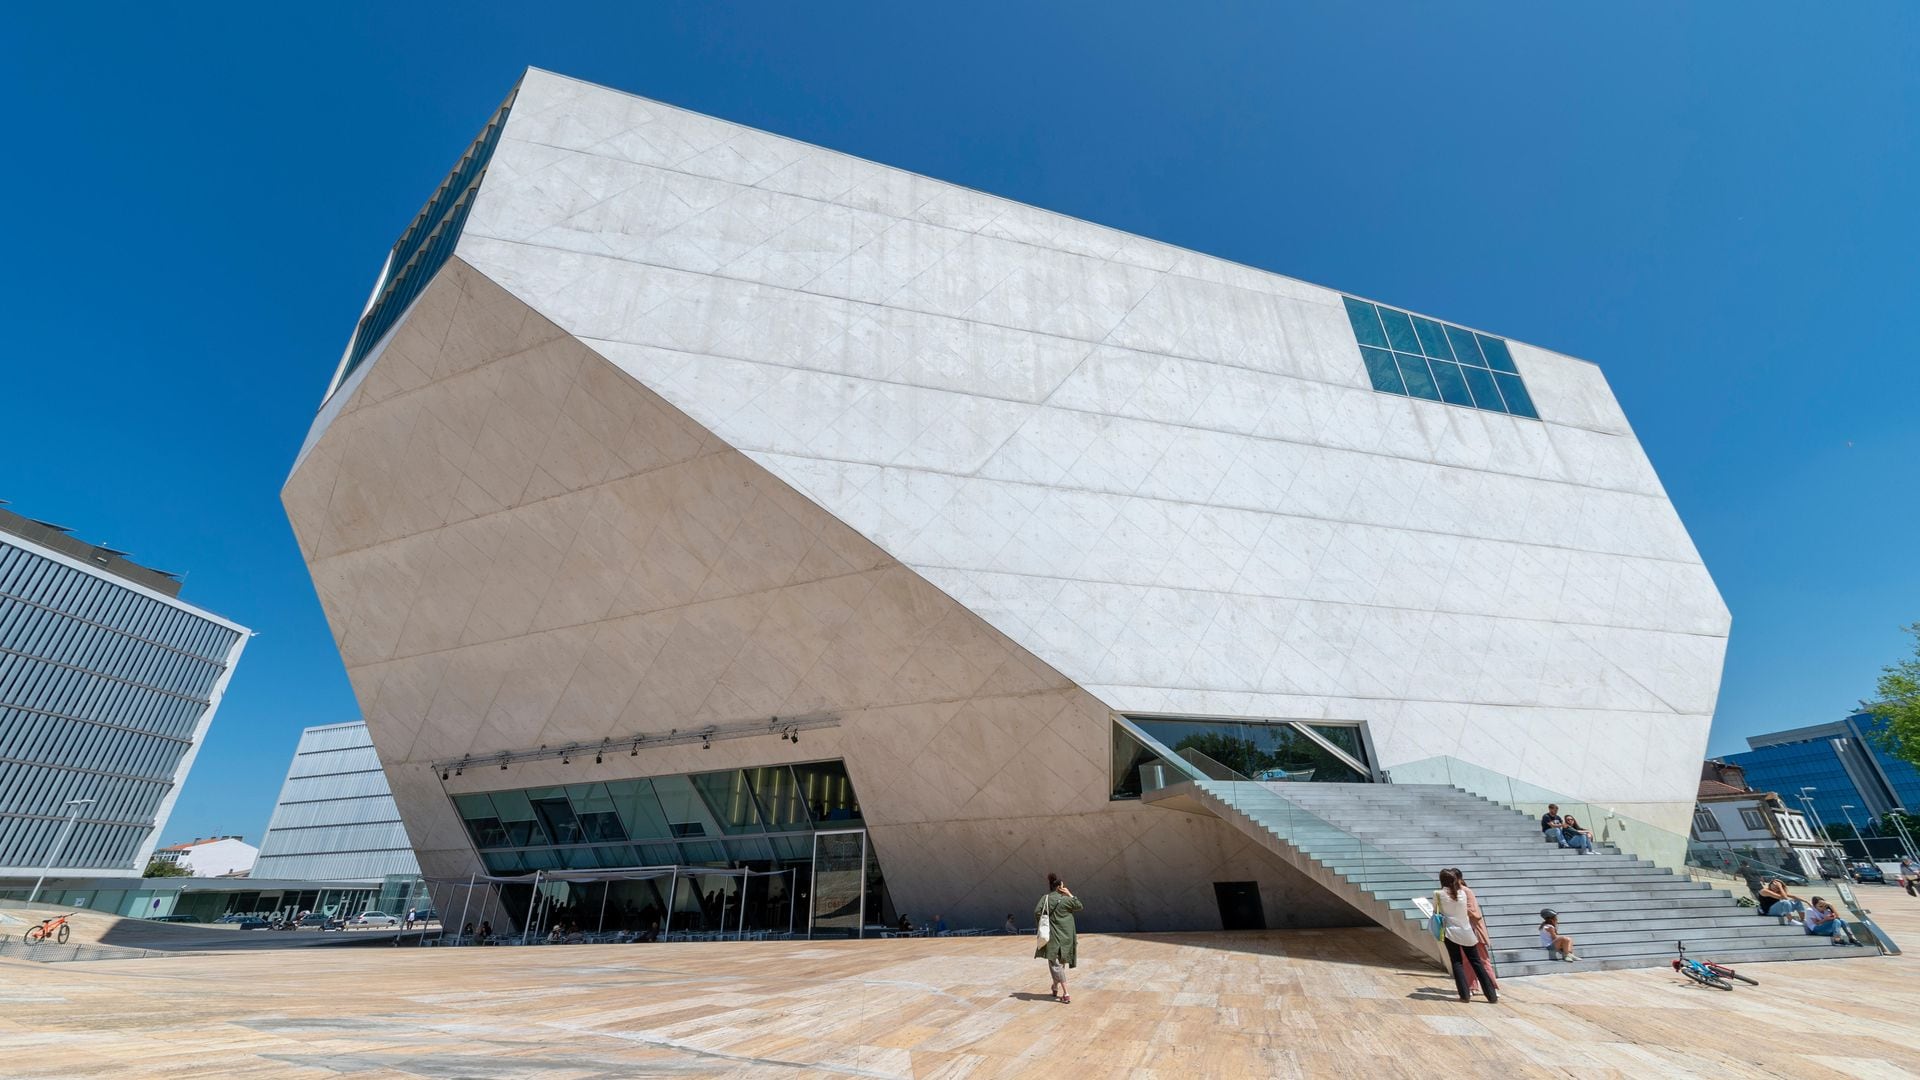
x,y
372,918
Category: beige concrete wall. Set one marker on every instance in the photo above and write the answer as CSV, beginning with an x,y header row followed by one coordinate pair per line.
x,y
518,545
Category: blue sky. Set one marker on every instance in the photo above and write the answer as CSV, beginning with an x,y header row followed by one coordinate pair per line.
x,y
1714,203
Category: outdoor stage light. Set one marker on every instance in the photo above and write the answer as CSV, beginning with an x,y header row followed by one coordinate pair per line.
x,y
443,775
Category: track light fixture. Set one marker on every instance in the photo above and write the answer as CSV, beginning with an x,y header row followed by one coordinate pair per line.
x,y
443,775
787,727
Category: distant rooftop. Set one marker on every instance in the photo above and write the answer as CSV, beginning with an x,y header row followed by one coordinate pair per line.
x,y
60,539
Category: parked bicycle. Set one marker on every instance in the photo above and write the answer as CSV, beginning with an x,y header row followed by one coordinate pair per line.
x,y
55,928
1708,973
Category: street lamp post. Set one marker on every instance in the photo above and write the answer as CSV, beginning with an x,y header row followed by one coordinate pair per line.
x,y
1847,809
1900,826
1806,799
59,845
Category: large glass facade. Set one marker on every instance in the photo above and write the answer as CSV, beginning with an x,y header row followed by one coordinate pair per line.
x,y
1268,750
761,819
103,688
1414,356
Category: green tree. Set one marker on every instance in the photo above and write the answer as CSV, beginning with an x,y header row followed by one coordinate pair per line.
x,y
1899,704
163,868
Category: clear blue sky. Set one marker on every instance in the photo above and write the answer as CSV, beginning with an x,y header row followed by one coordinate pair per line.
x,y
1716,204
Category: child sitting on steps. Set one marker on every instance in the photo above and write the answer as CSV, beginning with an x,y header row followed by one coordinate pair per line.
x,y
1556,943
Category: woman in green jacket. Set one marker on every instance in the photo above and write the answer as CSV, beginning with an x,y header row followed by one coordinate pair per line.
x,y
1055,911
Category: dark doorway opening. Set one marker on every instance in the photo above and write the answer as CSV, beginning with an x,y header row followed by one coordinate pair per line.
x,y
1240,905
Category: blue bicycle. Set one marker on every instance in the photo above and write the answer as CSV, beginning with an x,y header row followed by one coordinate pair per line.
x,y
1708,973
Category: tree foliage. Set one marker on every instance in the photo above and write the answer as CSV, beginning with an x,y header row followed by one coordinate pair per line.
x,y
163,868
1898,707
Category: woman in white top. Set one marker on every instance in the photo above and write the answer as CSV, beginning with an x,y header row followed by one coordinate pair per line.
x,y
1453,901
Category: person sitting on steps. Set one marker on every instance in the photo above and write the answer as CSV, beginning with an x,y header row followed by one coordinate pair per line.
x,y
1557,944
1574,836
1550,823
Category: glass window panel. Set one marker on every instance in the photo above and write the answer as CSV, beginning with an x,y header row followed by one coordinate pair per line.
x,y
540,859
794,847
556,813
781,806
1518,403
1382,370
1400,333
686,811
1419,379
1128,755
516,815
703,853
1495,350
503,862
828,791
1453,385
659,854
751,849
618,855
1485,395
593,806
1464,350
730,799
578,858
639,811
1366,325
1433,340
1263,751
1344,736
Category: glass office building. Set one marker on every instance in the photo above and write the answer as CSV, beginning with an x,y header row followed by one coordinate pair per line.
x,y
1852,776
108,683
335,819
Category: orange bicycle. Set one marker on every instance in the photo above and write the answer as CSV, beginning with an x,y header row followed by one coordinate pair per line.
x,y
55,928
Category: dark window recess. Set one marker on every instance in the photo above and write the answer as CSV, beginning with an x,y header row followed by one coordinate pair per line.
x,y
1240,905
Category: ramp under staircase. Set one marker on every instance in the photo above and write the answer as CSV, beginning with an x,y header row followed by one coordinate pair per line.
x,y
1379,845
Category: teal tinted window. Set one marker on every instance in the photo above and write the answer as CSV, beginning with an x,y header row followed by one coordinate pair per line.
x,y
1400,333
1382,370
1415,356
1366,324
1496,353
1453,385
1485,394
423,248
1515,391
1419,380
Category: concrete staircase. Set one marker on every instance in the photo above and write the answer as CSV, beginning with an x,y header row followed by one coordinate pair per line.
x,y
1379,845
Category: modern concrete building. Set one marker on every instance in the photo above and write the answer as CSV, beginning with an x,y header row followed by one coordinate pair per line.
x,y
336,820
691,496
108,684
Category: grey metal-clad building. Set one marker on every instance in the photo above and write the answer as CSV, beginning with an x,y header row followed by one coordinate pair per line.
x,y
336,820
108,684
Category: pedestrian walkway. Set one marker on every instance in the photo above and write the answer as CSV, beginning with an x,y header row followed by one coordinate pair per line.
x,y
1294,1003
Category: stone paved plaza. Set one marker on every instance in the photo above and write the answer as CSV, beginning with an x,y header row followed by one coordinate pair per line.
x,y
1300,1003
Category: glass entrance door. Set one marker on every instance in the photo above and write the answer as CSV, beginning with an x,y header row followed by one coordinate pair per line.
x,y
839,889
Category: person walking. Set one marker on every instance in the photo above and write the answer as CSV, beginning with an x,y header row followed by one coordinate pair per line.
x,y
1456,905
1479,925
1054,913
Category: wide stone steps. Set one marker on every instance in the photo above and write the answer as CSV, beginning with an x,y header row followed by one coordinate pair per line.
x,y
1379,846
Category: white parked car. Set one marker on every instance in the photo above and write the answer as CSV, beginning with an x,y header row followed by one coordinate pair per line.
x,y
373,918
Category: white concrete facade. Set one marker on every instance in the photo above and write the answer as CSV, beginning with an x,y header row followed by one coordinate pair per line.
x,y
701,424
1164,473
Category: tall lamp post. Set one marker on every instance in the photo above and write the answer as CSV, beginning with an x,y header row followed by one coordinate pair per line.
x,y
1900,827
1847,809
59,845
1806,799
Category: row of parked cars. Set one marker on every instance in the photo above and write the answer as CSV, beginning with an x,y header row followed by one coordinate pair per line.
x,y
366,920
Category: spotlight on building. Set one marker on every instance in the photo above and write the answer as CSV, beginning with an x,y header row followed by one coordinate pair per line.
x,y
443,774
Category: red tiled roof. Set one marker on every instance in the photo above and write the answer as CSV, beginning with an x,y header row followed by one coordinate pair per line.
x,y
1715,787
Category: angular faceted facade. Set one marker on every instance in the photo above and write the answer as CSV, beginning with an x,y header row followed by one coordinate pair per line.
x,y
693,426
